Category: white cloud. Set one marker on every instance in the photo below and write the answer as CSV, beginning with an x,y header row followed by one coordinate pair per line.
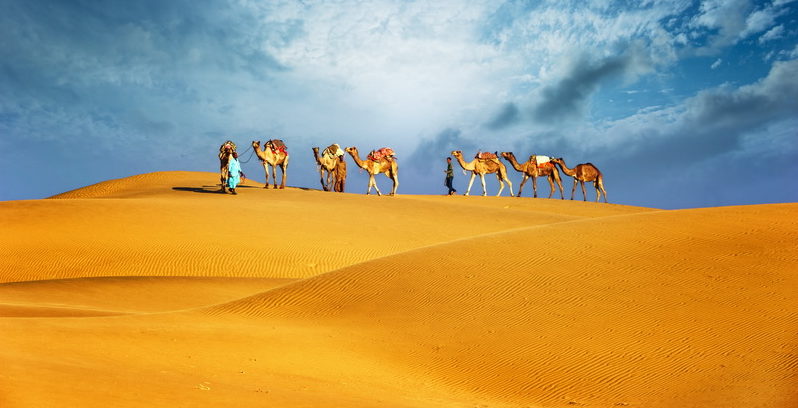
x,y
759,21
716,64
772,34
726,22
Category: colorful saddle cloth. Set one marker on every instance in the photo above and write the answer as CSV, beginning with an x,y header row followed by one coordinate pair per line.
x,y
541,161
486,156
277,145
379,154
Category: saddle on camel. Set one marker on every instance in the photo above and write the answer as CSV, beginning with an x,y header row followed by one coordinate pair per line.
x,y
277,146
384,153
333,150
487,156
541,161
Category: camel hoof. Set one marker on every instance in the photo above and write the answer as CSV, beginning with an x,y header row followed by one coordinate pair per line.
x,y
282,187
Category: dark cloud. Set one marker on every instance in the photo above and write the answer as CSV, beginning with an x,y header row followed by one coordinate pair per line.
x,y
439,147
738,110
700,153
568,96
508,115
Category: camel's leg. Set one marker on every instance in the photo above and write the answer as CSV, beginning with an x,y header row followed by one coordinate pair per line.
x,y
283,168
556,175
600,184
573,189
598,192
322,181
584,192
524,178
534,187
503,177
266,170
223,180
551,185
501,186
470,182
484,190
374,182
395,179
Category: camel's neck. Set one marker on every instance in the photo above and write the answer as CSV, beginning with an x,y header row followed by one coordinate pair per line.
x,y
517,166
565,169
463,164
316,156
356,157
264,155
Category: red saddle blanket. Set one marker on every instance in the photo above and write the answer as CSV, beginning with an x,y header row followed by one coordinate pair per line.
x,y
379,154
486,156
545,165
277,145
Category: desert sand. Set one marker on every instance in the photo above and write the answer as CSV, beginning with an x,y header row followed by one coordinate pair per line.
x,y
157,291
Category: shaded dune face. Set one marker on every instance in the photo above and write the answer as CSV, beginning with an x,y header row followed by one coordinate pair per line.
x,y
303,298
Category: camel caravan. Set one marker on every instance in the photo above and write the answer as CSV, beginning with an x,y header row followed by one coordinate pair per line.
x,y
331,166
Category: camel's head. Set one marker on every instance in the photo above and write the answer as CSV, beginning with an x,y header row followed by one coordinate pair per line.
x,y
456,153
351,149
557,159
256,144
507,155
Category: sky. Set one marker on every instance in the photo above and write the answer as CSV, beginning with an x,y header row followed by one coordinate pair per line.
x,y
680,104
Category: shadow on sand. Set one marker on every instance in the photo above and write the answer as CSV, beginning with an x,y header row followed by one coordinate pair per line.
x,y
215,189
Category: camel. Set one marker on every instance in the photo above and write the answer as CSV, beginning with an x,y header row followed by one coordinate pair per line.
x,y
482,167
386,165
531,169
274,157
226,151
582,173
327,163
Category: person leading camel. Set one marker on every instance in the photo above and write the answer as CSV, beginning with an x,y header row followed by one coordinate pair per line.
x,y
233,173
226,151
339,174
449,176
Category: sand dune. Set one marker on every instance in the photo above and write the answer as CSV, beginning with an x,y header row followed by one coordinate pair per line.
x,y
155,291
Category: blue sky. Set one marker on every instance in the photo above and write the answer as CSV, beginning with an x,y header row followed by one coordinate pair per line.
x,y
679,103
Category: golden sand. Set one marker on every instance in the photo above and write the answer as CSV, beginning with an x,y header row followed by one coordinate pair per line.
x,y
155,290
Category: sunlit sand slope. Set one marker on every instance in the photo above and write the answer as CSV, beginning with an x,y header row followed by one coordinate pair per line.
x,y
156,291
177,224
681,308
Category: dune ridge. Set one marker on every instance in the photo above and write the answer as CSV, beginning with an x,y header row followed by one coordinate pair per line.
x,y
391,301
